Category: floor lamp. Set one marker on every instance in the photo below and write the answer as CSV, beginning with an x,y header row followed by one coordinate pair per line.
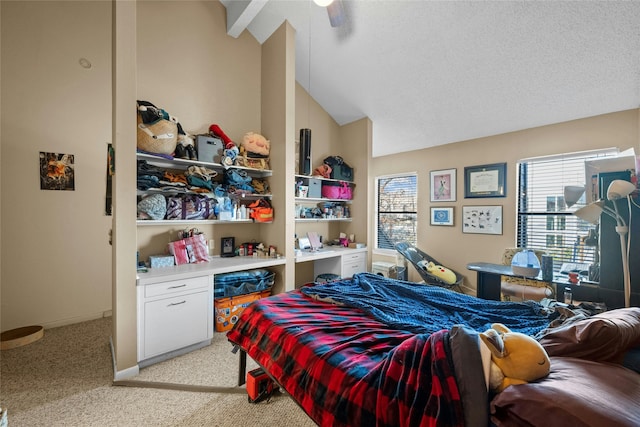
x,y
618,189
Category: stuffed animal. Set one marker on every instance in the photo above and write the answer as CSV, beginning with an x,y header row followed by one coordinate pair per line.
x,y
229,156
442,273
515,358
256,144
324,170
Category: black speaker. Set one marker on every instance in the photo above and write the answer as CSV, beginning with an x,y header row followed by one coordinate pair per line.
x,y
305,152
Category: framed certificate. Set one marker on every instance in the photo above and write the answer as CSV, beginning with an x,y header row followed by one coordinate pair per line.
x,y
485,180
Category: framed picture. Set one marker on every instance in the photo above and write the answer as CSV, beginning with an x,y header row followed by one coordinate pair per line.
x,y
482,219
227,246
485,180
443,185
441,216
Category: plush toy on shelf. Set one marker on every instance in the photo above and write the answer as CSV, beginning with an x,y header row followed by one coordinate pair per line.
x,y
256,145
515,358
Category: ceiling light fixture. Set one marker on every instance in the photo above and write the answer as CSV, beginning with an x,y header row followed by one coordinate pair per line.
x,y
323,3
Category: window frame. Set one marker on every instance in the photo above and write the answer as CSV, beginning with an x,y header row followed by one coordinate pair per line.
x,y
376,248
561,215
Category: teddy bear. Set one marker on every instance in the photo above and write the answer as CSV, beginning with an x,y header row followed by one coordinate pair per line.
x,y
515,358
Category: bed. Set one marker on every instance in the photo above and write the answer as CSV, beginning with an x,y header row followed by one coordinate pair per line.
x,y
371,351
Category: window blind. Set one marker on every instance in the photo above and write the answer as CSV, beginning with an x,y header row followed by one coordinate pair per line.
x,y
397,210
544,222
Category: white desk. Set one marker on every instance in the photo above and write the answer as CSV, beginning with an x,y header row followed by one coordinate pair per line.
x,y
345,262
216,265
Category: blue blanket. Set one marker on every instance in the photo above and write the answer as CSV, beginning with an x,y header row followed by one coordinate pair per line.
x,y
420,308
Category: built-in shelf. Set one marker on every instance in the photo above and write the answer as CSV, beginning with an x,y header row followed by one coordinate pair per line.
x,y
321,199
184,164
323,219
142,222
324,179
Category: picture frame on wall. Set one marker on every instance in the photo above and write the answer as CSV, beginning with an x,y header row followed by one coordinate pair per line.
x,y
443,185
442,216
482,219
485,181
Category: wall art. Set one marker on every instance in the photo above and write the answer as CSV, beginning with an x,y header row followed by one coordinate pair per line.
x,y
482,219
443,185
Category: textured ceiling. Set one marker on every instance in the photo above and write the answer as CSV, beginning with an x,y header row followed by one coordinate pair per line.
x,y
430,73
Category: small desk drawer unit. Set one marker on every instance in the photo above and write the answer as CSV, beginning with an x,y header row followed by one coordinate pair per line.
x,y
173,315
353,263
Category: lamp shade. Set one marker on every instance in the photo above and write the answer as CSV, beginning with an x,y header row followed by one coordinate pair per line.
x,y
572,194
619,189
525,263
591,212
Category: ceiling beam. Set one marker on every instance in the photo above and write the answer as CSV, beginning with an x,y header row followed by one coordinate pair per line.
x,y
240,13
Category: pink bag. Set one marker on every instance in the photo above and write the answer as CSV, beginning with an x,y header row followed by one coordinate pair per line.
x,y
341,190
192,249
179,251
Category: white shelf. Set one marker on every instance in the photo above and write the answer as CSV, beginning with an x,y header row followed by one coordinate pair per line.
x,y
324,179
323,219
321,199
151,222
184,164
233,196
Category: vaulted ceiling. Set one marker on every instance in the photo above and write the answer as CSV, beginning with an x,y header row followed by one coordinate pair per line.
x,y
429,73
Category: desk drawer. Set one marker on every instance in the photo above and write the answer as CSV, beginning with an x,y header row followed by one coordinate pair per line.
x,y
357,257
353,263
175,286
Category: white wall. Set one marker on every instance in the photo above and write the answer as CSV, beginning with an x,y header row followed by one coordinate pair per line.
x,y
56,260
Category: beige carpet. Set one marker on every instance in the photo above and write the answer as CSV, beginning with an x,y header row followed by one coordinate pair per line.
x,y
65,379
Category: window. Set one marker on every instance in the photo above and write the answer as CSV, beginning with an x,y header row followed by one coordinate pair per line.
x,y
396,210
544,222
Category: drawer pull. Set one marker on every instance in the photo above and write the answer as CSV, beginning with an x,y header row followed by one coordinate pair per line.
x,y
179,286
177,303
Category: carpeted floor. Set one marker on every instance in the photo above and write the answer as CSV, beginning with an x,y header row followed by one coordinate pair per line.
x,y
65,379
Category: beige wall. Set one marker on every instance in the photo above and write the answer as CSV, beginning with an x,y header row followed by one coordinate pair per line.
x,y
448,244
56,259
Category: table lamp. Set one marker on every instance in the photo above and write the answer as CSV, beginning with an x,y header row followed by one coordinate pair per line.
x,y
618,189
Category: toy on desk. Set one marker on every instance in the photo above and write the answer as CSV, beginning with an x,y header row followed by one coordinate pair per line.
x,y
515,358
442,273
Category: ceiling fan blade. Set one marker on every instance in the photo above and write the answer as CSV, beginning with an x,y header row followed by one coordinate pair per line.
x,y
336,13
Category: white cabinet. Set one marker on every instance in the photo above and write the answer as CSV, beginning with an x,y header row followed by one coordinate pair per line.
x,y
342,262
353,263
173,315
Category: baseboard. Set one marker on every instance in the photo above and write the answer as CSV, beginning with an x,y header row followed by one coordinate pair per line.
x,y
467,290
172,354
121,375
77,319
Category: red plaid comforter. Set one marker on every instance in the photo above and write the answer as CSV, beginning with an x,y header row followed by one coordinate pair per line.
x,y
346,369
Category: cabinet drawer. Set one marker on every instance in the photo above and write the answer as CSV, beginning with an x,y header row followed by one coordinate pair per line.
x,y
176,322
357,257
352,267
174,286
